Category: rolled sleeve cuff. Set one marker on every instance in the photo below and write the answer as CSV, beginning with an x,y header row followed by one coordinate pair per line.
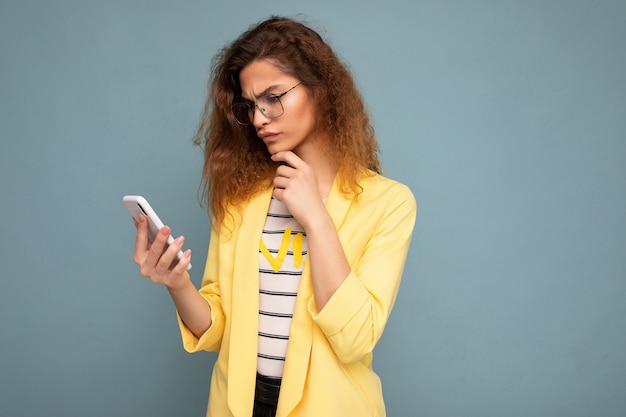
x,y
346,302
191,343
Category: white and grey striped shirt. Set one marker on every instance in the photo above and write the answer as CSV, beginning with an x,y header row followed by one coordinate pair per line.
x,y
282,250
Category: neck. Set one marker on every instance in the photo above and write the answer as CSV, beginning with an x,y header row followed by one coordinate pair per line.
x,y
324,166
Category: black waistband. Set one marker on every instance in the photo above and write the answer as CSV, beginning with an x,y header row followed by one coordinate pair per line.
x,y
267,390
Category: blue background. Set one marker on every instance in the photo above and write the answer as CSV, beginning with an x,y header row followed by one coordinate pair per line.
x,y
506,118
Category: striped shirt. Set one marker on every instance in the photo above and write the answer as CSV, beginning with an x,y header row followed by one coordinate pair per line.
x,y
282,250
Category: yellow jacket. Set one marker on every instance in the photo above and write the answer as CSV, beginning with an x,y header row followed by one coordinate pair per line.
x,y
328,368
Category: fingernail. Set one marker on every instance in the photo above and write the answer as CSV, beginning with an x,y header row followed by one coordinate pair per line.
x,y
165,231
179,240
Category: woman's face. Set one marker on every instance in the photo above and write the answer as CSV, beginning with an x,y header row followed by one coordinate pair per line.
x,y
294,129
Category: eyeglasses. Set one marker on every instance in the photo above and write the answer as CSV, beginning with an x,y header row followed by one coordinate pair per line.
x,y
269,105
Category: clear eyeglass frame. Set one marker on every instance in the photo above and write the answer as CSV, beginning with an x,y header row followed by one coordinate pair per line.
x,y
269,105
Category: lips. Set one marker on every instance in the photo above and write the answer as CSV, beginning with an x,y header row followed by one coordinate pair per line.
x,y
267,136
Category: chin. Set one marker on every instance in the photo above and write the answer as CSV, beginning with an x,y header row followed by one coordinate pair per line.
x,y
273,149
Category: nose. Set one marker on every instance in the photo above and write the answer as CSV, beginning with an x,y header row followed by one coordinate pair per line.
x,y
258,117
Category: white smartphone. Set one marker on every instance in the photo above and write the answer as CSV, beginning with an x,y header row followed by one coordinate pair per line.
x,y
137,205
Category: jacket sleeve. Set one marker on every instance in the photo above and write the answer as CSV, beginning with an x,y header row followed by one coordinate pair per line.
x,y
354,318
210,291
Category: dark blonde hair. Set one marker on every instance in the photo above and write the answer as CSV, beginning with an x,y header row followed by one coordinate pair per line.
x,y
236,162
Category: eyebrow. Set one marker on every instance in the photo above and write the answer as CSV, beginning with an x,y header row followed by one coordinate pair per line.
x,y
262,93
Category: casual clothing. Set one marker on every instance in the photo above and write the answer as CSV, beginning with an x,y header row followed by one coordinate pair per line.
x,y
328,367
281,261
266,396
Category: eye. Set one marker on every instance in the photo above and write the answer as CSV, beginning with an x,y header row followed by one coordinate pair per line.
x,y
272,99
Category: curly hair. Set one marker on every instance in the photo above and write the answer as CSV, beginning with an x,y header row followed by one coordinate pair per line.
x,y
236,163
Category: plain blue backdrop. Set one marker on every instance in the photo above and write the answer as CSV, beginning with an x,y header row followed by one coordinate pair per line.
x,y
506,118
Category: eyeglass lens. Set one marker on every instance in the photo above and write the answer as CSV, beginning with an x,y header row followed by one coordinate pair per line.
x,y
269,105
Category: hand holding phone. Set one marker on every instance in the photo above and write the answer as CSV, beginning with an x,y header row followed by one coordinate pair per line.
x,y
137,205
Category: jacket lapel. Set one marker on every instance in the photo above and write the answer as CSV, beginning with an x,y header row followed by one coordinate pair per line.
x,y
301,336
245,300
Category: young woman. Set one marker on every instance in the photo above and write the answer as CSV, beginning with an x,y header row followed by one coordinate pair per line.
x,y
308,240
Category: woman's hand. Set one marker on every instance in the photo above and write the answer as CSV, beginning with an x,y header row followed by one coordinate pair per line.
x,y
157,261
296,186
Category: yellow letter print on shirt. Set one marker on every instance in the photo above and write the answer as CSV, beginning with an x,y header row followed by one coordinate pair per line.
x,y
277,262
